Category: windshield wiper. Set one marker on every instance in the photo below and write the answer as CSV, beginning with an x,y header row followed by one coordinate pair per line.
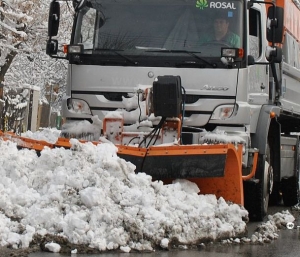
x,y
186,52
116,51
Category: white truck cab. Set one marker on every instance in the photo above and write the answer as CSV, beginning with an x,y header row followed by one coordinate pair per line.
x,y
226,57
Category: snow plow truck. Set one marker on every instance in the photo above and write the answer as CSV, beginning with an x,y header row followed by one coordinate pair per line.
x,y
180,103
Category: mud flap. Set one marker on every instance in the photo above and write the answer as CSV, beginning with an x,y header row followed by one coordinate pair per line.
x,y
254,193
252,189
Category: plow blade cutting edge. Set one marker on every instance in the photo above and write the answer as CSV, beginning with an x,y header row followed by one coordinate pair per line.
x,y
216,169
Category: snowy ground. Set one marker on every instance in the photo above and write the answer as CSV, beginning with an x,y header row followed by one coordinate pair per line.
x,y
88,196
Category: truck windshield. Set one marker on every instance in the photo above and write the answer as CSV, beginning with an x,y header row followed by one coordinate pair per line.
x,y
149,27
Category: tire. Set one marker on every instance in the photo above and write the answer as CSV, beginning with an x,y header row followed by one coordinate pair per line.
x,y
257,192
290,190
262,195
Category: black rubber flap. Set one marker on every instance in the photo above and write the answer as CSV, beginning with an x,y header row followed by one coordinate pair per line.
x,y
136,160
189,166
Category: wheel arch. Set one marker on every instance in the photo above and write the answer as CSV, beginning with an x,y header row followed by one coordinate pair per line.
x,y
264,123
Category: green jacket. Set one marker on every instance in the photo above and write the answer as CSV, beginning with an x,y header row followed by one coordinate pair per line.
x,y
231,38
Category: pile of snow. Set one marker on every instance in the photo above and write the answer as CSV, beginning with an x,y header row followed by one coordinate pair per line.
x,y
267,231
91,196
53,247
49,135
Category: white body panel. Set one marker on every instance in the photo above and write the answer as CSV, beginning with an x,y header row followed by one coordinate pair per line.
x,y
290,89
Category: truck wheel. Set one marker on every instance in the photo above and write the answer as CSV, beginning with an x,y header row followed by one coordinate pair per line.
x,y
257,192
290,190
268,186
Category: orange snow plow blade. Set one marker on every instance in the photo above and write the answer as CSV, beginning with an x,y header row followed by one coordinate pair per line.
x,y
230,187
216,169
37,145
24,142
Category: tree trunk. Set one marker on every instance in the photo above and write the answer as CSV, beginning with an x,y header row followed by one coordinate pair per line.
x,y
9,58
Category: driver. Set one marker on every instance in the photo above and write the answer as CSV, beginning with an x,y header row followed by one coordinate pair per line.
x,y
221,33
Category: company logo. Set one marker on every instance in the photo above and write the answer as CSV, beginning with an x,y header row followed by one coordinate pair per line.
x,y
213,88
222,5
201,4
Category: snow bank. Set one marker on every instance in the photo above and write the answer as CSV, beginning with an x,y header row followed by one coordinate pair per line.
x,y
91,196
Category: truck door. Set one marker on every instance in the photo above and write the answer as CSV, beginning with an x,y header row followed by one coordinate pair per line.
x,y
258,74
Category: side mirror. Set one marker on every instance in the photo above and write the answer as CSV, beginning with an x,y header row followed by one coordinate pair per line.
x,y
274,54
275,24
52,47
53,20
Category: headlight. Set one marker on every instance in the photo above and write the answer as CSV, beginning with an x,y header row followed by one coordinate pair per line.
x,y
78,106
224,112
